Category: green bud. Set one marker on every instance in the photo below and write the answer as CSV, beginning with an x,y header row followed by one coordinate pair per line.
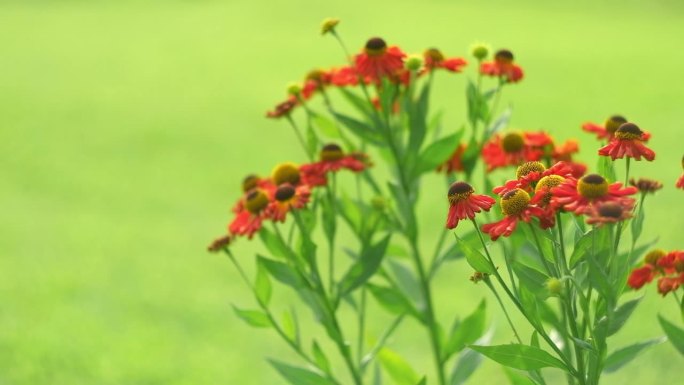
x,y
414,63
554,286
294,89
479,51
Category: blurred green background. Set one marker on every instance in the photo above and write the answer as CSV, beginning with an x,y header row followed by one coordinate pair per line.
x,y
126,127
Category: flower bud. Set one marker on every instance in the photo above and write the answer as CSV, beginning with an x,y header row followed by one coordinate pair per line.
x,y
414,63
294,89
554,286
479,51
379,203
328,25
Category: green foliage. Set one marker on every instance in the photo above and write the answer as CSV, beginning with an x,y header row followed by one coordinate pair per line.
x,y
519,356
620,357
397,367
254,318
674,334
466,332
299,376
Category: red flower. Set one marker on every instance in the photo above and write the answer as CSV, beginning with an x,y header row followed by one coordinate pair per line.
x,y
680,181
315,81
464,204
378,61
578,195
286,198
284,108
641,276
513,149
434,59
455,163
502,67
249,220
564,153
515,205
250,182
608,212
345,76
219,244
645,185
668,284
332,160
627,141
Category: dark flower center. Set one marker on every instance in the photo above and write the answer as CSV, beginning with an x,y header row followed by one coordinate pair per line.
x,y
375,46
459,191
434,54
503,56
628,131
653,256
284,192
610,210
331,152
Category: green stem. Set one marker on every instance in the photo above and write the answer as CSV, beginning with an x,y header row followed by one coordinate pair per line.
x,y
548,267
300,137
488,282
517,304
274,323
331,242
362,325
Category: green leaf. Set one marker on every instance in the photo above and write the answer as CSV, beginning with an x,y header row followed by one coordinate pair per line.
x,y
621,315
405,280
470,329
637,224
519,356
674,334
254,318
290,326
326,126
282,272
620,357
397,367
438,152
477,104
501,122
423,381
262,284
361,104
351,212
275,244
312,141
606,168
532,278
475,259
320,358
418,118
299,376
516,378
582,248
328,218
362,130
393,300
364,267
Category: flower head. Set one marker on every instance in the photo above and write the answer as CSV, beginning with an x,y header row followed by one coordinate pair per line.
x,y
283,109
455,162
514,148
377,60
680,181
331,159
502,67
219,244
249,220
287,197
627,141
328,25
606,130
515,205
577,195
641,276
434,59
464,204
315,81
608,212
645,185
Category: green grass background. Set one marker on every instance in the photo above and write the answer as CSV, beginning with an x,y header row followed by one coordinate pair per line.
x,y
125,128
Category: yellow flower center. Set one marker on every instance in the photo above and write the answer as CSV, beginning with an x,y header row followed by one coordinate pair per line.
x,y
628,131
514,202
249,182
529,167
548,182
592,186
331,152
256,201
653,256
513,142
459,191
614,122
286,173
375,46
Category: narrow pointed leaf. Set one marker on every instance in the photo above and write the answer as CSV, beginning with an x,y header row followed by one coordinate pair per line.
x,y
254,318
674,334
397,367
620,357
299,376
519,356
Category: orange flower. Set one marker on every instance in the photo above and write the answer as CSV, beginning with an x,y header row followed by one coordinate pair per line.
x,y
248,221
607,130
434,59
377,60
641,276
608,212
287,197
516,207
284,108
464,204
514,148
332,159
455,163
627,141
502,67
578,195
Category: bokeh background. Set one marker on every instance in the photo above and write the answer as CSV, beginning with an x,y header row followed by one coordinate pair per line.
x,y
126,127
